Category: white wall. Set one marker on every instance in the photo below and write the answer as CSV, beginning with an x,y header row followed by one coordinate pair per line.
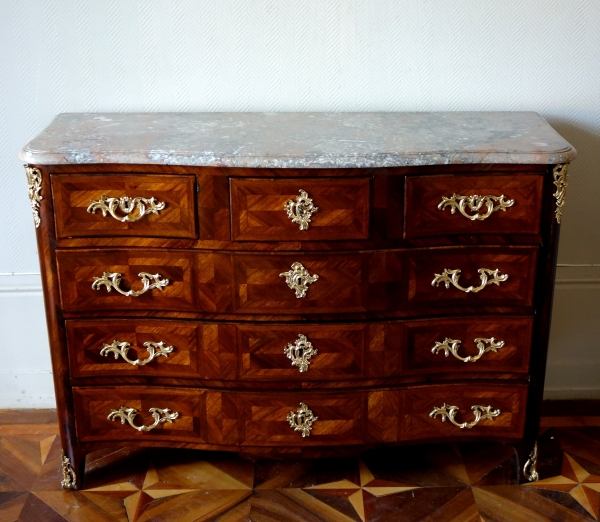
x,y
300,55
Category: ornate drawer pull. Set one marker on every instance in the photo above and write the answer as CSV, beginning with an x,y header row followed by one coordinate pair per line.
x,y
451,346
298,278
474,204
300,352
301,210
128,414
302,420
127,206
481,412
113,280
449,277
122,348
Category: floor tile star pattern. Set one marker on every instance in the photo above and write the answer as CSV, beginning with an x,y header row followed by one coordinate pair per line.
x,y
435,483
580,484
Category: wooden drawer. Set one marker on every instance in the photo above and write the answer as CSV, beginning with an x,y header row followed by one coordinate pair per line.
x,y
258,210
94,405
79,270
319,352
134,347
257,283
420,403
347,282
451,277
428,215
77,195
244,418
264,352
477,344
263,420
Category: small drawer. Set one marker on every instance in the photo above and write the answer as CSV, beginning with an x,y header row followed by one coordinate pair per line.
x,y
340,418
300,209
124,205
104,413
314,283
126,280
447,411
491,344
473,204
472,276
136,347
307,352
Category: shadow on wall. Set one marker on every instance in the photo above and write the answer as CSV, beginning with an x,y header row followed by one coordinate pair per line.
x,y
574,354
580,234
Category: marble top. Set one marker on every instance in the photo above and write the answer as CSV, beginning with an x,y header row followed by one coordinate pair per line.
x,y
299,140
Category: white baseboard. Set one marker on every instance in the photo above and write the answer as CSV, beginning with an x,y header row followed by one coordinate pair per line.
x,y
26,370
572,394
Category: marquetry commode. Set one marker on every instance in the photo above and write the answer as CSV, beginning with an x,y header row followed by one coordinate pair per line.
x,y
297,284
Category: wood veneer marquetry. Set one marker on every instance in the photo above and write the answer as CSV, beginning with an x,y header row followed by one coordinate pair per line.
x,y
77,270
259,419
93,405
518,263
86,340
424,194
73,194
254,352
343,209
252,283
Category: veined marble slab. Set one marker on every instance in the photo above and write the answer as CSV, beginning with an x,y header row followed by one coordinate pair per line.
x,y
299,140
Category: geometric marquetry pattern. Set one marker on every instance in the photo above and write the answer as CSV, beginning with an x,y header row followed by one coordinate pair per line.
x,y
463,483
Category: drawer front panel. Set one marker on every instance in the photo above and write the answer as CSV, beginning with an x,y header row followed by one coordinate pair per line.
x,y
420,421
346,283
263,418
449,277
134,348
89,206
442,205
489,344
304,352
258,209
94,405
279,419
310,352
79,270
297,283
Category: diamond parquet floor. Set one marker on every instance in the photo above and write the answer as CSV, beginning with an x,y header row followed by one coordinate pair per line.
x,y
435,483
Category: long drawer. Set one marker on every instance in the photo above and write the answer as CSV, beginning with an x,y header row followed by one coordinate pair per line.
x,y
298,352
308,418
306,283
